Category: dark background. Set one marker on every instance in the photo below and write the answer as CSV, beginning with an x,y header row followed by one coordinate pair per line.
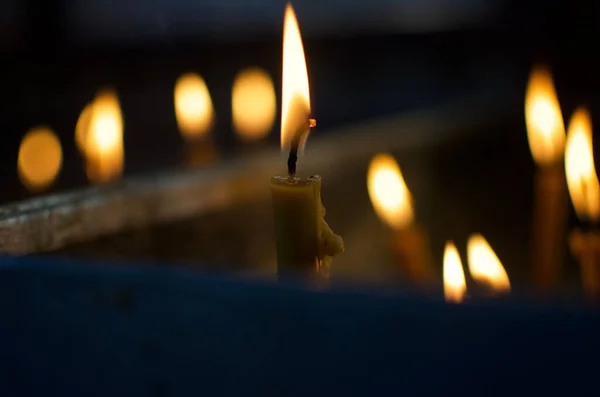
x,y
365,60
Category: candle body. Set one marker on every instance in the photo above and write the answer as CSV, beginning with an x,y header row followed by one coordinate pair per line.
x,y
549,226
105,166
305,243
585,246
200,152
412,253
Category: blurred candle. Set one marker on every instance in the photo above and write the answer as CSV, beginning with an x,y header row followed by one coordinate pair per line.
x,y
253,104
546,134
40,158
393,204
82,127
103,149
195,117
455,285
485,267
305,243
584,189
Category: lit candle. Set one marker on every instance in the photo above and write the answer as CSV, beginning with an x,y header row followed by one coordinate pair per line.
x,y
485,267
455,285
99,135
546,134
40,158
253,104
195,117
393,204
585,195
305,243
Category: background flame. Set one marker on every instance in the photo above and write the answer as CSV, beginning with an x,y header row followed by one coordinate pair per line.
x,y
295,95
455,285
484,265
40,158
83,126
582,179
103,135
389,194
543,117
253,104
106,125
193,106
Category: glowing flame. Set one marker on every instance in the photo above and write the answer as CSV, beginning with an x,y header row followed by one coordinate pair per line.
x,y
484,265
545,126
390,196
193,106
253,104
104,139
580,168
295,97
40,158
82,127
455,285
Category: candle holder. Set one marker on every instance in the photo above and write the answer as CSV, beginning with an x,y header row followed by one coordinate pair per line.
x,y
220,218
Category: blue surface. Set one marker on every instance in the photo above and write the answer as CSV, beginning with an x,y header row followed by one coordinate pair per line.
x,y
74,329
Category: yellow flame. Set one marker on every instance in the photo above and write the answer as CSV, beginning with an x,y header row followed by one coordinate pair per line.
x,y
295,96
104,151
40,158
455,285
193,106
82,127
484,265
253,104
580,168
390,196
545,126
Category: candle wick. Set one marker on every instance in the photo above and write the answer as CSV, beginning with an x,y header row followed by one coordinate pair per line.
x,y
292,159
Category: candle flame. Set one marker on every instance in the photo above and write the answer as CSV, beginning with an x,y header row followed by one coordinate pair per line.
x,y
82,127
484,265
103,148
543,117
253,104
40,158
455,285
582,179
193,106
390,196
295,97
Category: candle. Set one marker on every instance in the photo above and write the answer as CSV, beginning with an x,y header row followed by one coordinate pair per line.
x,y
584,189
195,117
485,267
455,285
305,243
546,135
393,204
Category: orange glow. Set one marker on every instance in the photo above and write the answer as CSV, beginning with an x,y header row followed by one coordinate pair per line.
x,y
193,106
295,96
40,158
580,168
104,139
253,104
389,195
545,126
484,265
82,127
455,285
